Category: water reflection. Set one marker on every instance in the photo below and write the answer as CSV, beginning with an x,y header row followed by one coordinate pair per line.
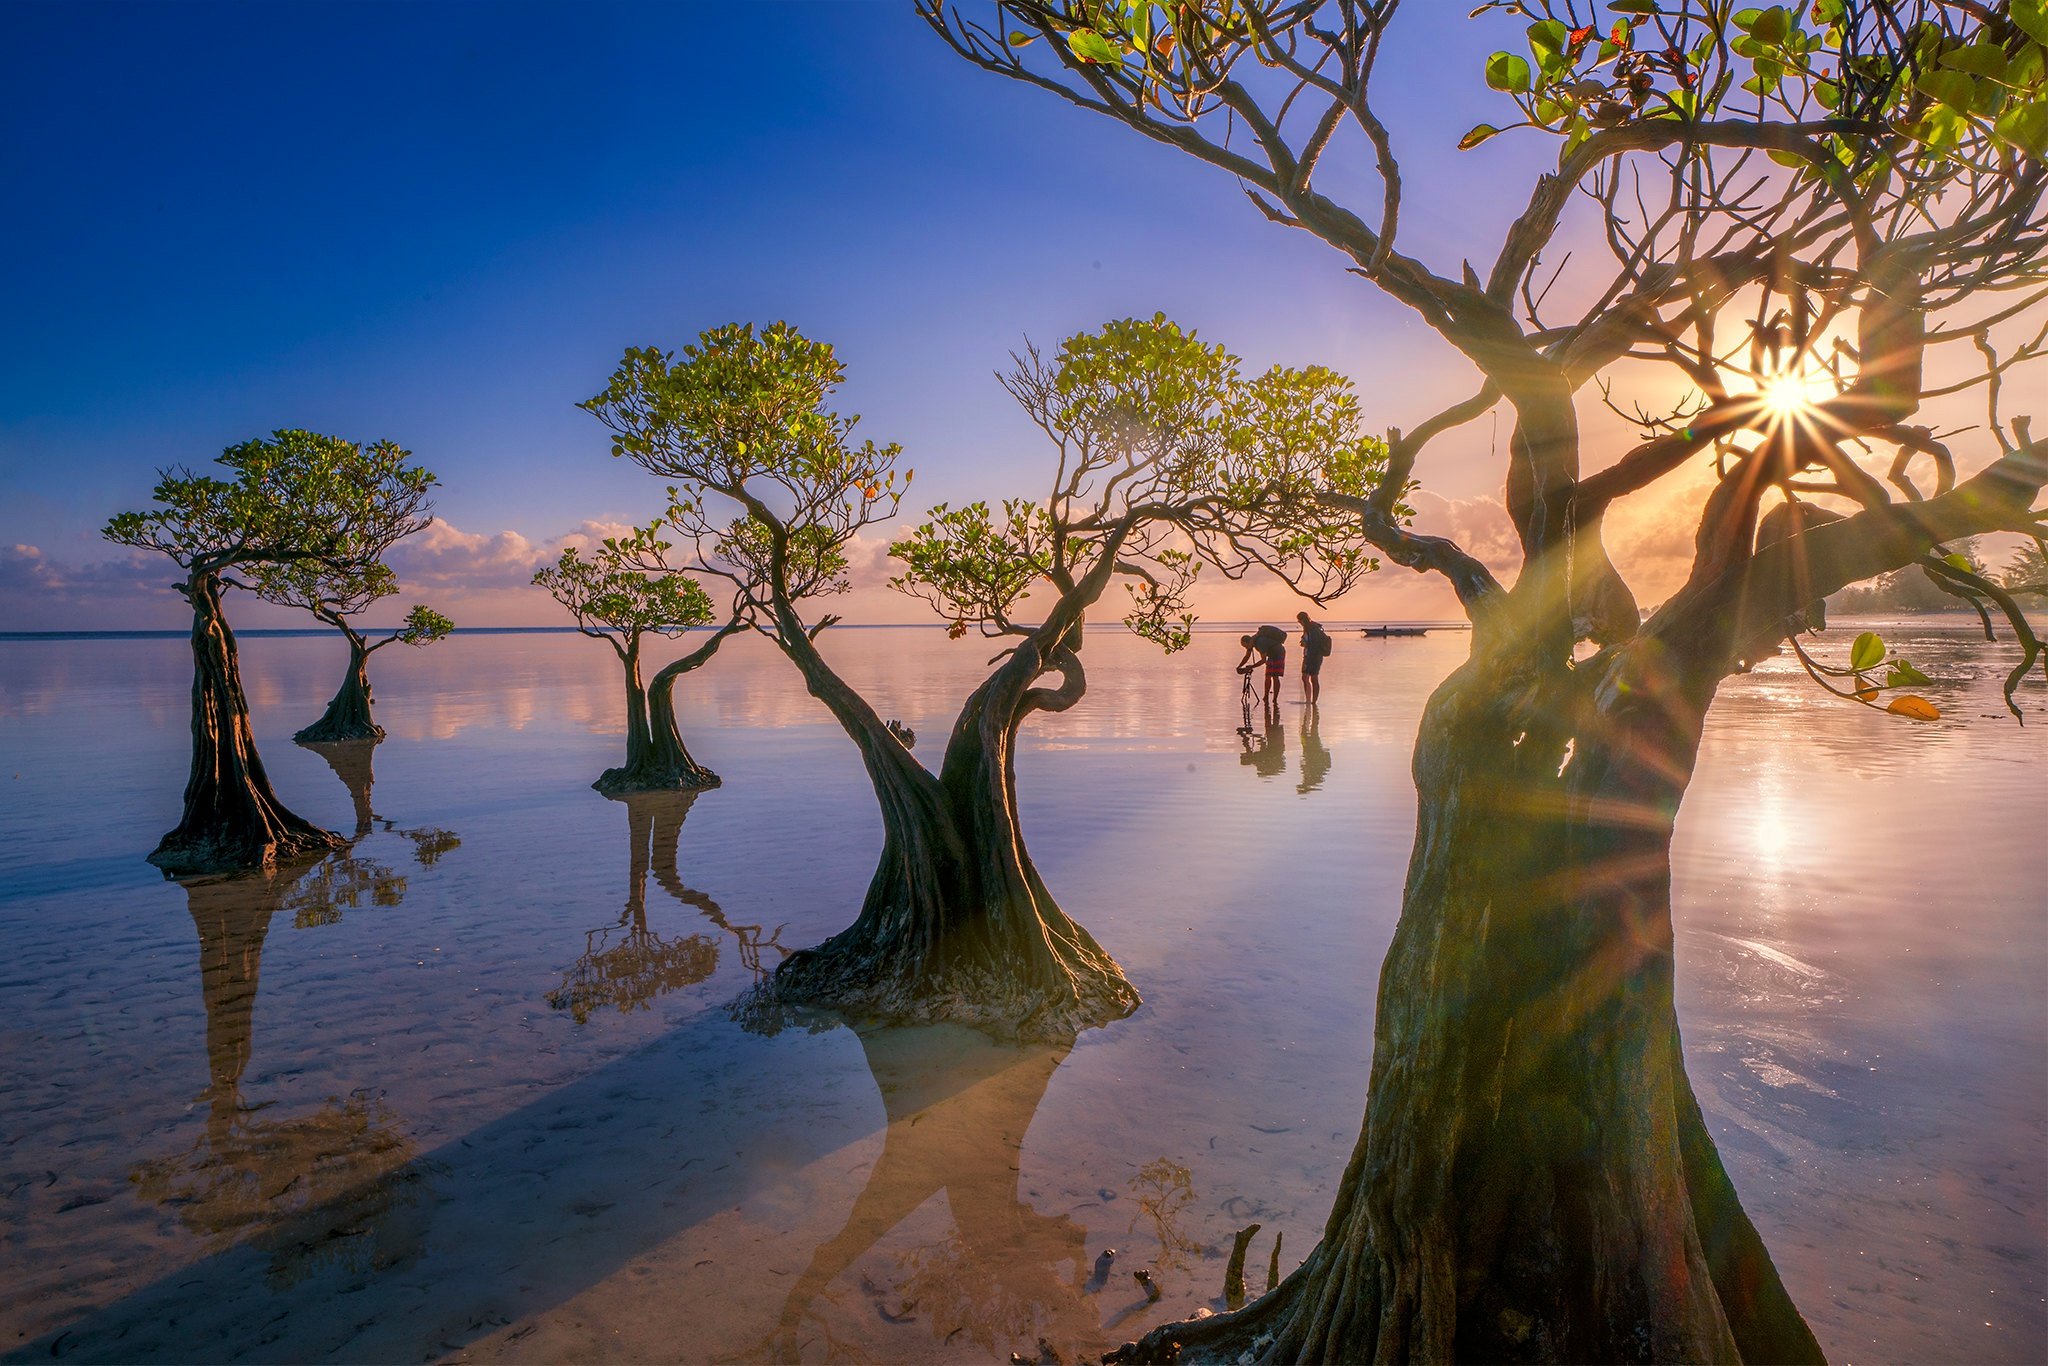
x,y
354,762
314,1185
345,879
625,964
1315,755
1882,1118
1164,1190
1264,749
958,1107
342,881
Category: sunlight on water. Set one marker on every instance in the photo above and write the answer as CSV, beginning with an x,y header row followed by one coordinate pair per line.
x,y
467,1089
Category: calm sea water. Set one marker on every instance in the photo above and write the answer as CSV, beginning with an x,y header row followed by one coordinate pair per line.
x,y
468,1091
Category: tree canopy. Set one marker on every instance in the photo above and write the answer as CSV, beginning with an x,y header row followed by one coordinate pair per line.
x,y
294,497
615,600
337,593
1168,457
769,484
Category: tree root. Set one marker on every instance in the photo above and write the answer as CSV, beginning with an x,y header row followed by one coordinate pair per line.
x,y
985,998
652,777
184,855
329,731
1230,1337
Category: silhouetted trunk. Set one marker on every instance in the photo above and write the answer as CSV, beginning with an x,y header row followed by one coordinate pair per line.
x,y
957,925
656,758
1534,1181
348,715
232,819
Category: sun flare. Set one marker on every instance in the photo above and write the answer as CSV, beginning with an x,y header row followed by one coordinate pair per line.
x,y
1788,395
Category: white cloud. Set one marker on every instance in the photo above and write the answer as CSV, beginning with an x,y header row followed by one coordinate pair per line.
x,y
444,557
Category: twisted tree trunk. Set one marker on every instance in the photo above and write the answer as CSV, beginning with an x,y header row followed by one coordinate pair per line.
x,y
232,819
1534,1181
957,925
656,758
621,779
348,714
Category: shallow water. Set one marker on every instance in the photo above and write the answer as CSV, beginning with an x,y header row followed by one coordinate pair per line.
x,y
469,1091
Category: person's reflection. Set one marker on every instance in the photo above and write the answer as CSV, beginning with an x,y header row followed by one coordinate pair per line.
x,y
958,1105
1265,750
1315,755
318,1185
625,964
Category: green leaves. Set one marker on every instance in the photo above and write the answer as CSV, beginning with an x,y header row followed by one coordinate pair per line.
x,y
1972,92
2032,18
1904,675
739,423
1091,46
1769,26
1547,39
973,566
295,498
423,625
1506,71
1866,654
611,591
1168,456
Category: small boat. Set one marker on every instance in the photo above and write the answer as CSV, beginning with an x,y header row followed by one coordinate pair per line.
x,y
1396,630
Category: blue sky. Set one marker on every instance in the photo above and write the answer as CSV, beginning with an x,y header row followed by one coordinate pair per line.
x,y
442,223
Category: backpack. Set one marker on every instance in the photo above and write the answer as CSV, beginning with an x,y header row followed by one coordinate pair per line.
x,y
1318,644
1269,641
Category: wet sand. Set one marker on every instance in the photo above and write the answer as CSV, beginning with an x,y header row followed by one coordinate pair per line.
x,y
469,1090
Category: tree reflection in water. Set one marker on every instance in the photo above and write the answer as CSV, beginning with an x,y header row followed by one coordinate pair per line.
x,y
1007,1276
342,881
354,762
314,1188
1164,1189
625,965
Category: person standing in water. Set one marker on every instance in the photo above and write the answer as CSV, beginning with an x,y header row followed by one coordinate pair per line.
x,y
1315,648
